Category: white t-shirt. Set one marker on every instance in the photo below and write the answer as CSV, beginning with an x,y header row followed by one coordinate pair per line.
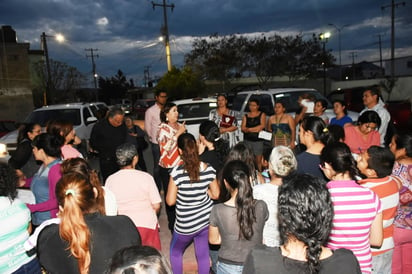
x,y
269,194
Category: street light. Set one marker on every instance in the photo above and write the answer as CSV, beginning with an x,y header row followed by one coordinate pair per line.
x,y
59,38
324,37
340,50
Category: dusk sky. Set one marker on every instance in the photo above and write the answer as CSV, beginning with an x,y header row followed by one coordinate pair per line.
x,y
126,32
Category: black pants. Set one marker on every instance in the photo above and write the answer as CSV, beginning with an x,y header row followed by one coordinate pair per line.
x,y
108,166
170,210
156,168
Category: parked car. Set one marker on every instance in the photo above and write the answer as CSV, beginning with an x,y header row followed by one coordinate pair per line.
x,y
82,115
6,126
289,97
400,111
194,112
140,107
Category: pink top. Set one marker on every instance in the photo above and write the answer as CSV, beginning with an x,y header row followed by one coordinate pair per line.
x,y
51,204
355,208
135,192
152,122
68,152
356,142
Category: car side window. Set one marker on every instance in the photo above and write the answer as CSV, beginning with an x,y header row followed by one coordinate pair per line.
x,y
86,114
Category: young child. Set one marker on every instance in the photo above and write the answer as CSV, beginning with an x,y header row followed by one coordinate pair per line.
x,y
376,165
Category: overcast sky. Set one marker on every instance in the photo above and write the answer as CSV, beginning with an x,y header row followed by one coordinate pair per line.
x,y
126,32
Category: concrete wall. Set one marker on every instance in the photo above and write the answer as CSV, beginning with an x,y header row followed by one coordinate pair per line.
x,y
15,107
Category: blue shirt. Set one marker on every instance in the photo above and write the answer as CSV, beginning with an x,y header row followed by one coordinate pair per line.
x,y
342,121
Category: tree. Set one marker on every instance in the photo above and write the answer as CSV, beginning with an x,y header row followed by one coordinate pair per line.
x,y
264,58
115,87
224,58
64,80
218,58
183,83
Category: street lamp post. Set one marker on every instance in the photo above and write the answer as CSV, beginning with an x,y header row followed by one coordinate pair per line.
x,y
339,45
324,39
47,93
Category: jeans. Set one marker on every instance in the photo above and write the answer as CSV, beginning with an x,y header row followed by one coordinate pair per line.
x,y
223,268
382,263
214,253
179,244
32,267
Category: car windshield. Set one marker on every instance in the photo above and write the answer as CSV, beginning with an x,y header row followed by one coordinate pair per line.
x,y
41,117
238,102
290,99
195,110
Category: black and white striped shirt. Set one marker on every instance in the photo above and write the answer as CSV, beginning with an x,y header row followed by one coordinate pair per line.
x,y
193,205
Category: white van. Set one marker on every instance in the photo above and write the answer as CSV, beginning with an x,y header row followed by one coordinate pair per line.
x,y
289,96
82,115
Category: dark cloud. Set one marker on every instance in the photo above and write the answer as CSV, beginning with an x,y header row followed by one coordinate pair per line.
x,y
126,31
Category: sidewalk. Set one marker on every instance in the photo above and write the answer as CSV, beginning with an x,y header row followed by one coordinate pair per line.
x,y
189,259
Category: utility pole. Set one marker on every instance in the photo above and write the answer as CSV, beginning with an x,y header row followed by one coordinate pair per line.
x,y
165,31
92,55
146,76
47,94
380,53
353,55
393,5
340,47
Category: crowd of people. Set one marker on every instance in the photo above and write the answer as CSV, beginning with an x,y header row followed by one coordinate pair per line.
x,y
322,196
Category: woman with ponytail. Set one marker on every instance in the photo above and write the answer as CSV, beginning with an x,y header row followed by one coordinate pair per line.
x,y
237,224
357,222
305,213
313,133
192,186
85,240
105,199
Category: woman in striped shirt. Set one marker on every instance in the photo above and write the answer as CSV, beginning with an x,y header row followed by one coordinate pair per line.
x,y
357,224
192,186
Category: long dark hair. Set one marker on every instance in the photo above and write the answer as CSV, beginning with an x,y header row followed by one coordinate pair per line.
x,y
305,213
50,144
244,153
339,156
404,140
190,155
167,107
24,129
236,175
8,181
